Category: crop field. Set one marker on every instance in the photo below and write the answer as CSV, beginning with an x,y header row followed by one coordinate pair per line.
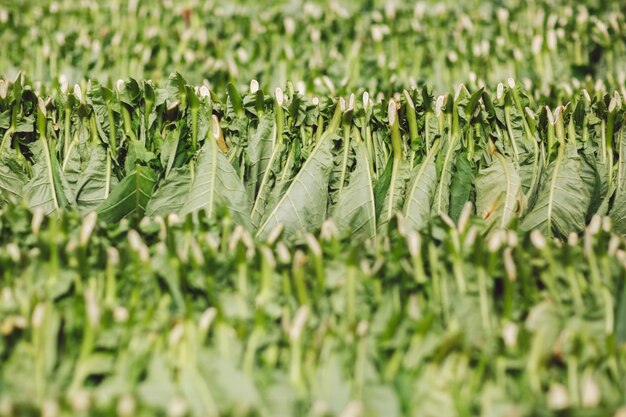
x,y
317,209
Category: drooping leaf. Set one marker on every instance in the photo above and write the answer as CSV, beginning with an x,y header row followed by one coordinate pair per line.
x,y
618,214
594,175
461,185
419,195
355,210
621,163
563,199
274,182
441,203
303,205
284,170
73,163
137,153
12,179
498,192
395,193
171,193
216,185
260,153
96,181
46,189
618,209
130,197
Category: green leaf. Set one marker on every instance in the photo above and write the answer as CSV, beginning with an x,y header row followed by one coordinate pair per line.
x,y
216,185
441,203
46,189
96,181
594,174
355,210
395,193
260,150
130,197
235,99
621,163
618,214
462,183
618,209
74,162
271,183
419,195
12,180
303,206
563,199
498,192
137,153
171,193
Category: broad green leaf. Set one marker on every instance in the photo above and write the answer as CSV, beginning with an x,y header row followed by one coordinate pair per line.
x,y
271,183
303,205
130,197
621,163
74,161
12,180
46,189
216,185
563,199
96,181
260,153
137,153
101,98
395,193
531,170
171,193
594,174
461,186
618,214
355,210
618,209
281,175
419,195
441,203
499,195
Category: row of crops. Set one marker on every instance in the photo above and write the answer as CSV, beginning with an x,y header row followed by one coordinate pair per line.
x,y
317,209
331,48
146,149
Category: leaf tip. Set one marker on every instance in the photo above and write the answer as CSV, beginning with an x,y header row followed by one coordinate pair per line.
x,y
280,97
392,112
